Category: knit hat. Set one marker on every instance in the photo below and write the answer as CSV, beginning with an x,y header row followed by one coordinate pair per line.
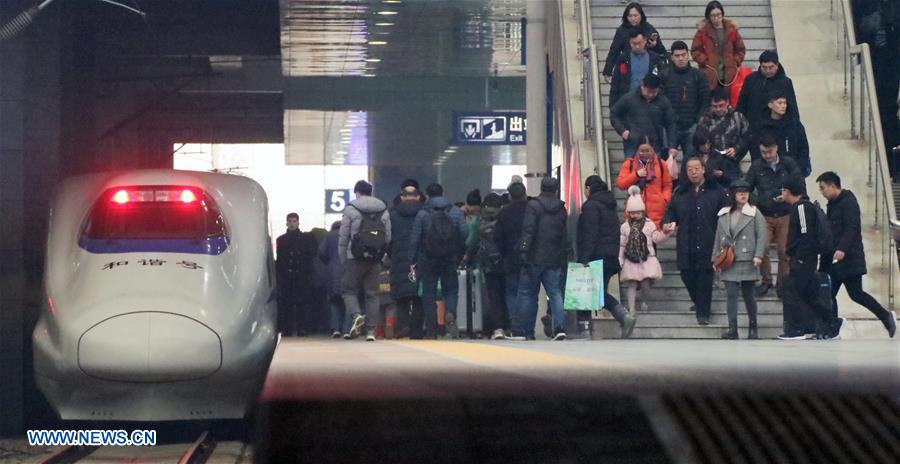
x,y
768,56
634,202
516,179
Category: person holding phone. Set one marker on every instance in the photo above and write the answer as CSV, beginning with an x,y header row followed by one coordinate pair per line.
x,y
765,177
729,130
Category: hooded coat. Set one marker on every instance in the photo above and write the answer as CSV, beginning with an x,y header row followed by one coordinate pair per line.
x,y
352,219
416,251
543,240
656,194
402,218
705,51
598,230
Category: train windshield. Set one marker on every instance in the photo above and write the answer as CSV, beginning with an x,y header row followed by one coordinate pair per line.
x,y
163,218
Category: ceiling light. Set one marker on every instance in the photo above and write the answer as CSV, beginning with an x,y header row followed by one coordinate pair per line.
x,y
386,13
384,24
373,60
391,1
368,75
346,129
377,42
450,150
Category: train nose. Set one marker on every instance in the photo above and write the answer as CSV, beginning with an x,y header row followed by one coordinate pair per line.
x,y
149,347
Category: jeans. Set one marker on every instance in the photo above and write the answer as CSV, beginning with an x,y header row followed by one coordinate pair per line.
x,y
699,283
686,141
532,277
429,274
361,275
339,323
858,295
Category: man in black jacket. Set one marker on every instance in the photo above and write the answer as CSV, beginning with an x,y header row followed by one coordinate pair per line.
x,y
688,92
765,176
646,112
507,233
802,302
632,67
693,212
598,238
542,248
848,263
753,100
404,290
788,130
296,251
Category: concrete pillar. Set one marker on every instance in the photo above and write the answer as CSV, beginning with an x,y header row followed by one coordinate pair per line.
x,y
536,93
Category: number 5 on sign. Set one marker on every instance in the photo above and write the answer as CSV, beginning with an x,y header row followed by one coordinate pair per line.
x,y
336,200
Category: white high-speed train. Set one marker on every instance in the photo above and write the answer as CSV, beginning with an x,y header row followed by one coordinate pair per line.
x,y
160,297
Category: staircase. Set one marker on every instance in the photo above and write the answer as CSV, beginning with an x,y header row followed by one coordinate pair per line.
x,y
669,315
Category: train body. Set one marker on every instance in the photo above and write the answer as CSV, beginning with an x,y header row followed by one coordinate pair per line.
x,y
160,297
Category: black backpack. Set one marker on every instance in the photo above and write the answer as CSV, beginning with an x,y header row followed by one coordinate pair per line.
x,y
489,256
442,238
824,237
370,242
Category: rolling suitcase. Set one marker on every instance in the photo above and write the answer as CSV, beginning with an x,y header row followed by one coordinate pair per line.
x,y
469,306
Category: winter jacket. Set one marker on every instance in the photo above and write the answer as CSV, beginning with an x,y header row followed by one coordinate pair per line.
x,y
620,44
715,161
766,185
802,244
656,194
753,101
749,242
641,117
508,233
621,78
696,215
649,269
352,219
792,142
402,218
598,230
418,237
294,263
328,254
730,130
705,51
846,231
688,92
543,240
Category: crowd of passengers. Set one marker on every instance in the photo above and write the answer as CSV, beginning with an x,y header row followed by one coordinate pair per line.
x,y
684,143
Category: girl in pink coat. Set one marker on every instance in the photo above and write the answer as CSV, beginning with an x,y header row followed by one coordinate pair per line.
x,y
637,255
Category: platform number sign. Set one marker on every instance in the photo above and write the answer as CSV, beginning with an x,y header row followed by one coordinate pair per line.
x,y
336,201
492,128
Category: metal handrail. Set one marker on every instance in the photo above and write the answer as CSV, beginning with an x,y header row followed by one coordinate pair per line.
x,y
590,69
865,125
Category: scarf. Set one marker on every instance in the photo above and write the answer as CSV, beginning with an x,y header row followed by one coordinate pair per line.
x,y
651,166
636,249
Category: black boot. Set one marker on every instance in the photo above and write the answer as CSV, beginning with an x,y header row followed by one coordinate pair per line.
x,y
731,333
752,332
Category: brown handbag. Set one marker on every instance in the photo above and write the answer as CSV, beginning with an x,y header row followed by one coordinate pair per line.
x,y
724,258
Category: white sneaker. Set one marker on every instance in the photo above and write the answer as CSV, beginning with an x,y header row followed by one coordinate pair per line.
x,y
516,338
359,321
498,335
336,334
559,336
370,338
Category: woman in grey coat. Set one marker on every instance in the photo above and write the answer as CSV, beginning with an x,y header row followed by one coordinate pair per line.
x,y
744,227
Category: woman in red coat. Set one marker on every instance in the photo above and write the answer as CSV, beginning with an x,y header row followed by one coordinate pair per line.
x,y
718,47
650,173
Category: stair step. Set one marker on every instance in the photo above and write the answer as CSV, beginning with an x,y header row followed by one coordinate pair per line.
x,y
681,22
605,329
751,44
